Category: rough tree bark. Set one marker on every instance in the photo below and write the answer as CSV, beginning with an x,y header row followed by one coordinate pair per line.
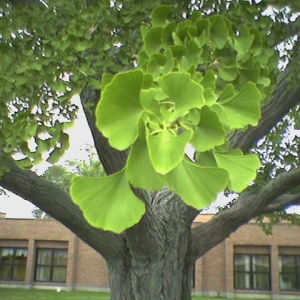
x,y
154,259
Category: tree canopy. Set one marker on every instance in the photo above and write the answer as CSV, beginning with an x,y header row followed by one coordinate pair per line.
x,y
222,76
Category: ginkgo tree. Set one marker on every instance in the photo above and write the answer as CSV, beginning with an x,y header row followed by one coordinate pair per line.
x,y
155,78
166,104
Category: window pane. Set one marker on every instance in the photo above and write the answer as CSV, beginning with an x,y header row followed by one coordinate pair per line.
x,y
7,255
298,263
5,272
43,274
21,256
242,262
60,257
260,263
288,282
261,281
287,264
59,274
242,281
19,272
44,257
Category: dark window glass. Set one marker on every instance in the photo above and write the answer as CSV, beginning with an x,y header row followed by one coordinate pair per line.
x,y
13,263
252,272
51,265
289,268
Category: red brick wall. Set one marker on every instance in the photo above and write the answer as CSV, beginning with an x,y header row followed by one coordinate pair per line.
x,y
215,270
87,269
91,268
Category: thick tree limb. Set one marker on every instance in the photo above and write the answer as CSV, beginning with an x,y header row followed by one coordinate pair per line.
x,y
57,203
204,237
282,202
111,159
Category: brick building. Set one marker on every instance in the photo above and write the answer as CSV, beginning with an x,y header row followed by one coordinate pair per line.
x,y
43,253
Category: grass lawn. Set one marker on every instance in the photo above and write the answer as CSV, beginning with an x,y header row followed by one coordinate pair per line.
x,y
32,294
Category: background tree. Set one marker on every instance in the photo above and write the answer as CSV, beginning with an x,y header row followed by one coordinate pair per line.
x,y
54,51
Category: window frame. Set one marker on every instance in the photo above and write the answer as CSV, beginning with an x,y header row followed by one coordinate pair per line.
x,y
51,265
252,272
296,274
14,263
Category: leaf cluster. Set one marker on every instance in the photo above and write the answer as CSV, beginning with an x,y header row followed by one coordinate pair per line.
x,y
198,80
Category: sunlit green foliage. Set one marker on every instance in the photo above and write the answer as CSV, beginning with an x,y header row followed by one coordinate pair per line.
x,y
169,103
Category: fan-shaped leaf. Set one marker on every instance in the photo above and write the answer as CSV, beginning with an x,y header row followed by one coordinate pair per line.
x,y
210,132
107,202
167,150
197,186
244,108
183,92
242,168
140,171
119,110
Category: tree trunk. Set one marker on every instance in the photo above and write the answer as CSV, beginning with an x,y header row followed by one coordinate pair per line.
x,y
165,279
156,263
167,276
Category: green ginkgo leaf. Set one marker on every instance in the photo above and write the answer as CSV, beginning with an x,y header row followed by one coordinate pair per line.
x,y
203,26
106,79
182,91
210,97
206,159
108,202
160,15
153,41
140,171
210,132
257,42
227,94
244,108
218,32
242,44
160,64
167,150
192,58
242,168
149,104
209,80
119,110
228,73
197,186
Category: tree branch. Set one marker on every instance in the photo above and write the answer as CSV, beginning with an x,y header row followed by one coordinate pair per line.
x,y
282,202
58,204
112,160
204,237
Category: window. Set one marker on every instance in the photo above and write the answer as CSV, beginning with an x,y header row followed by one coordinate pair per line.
x,y
252,272
51,265
289,268
13,263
